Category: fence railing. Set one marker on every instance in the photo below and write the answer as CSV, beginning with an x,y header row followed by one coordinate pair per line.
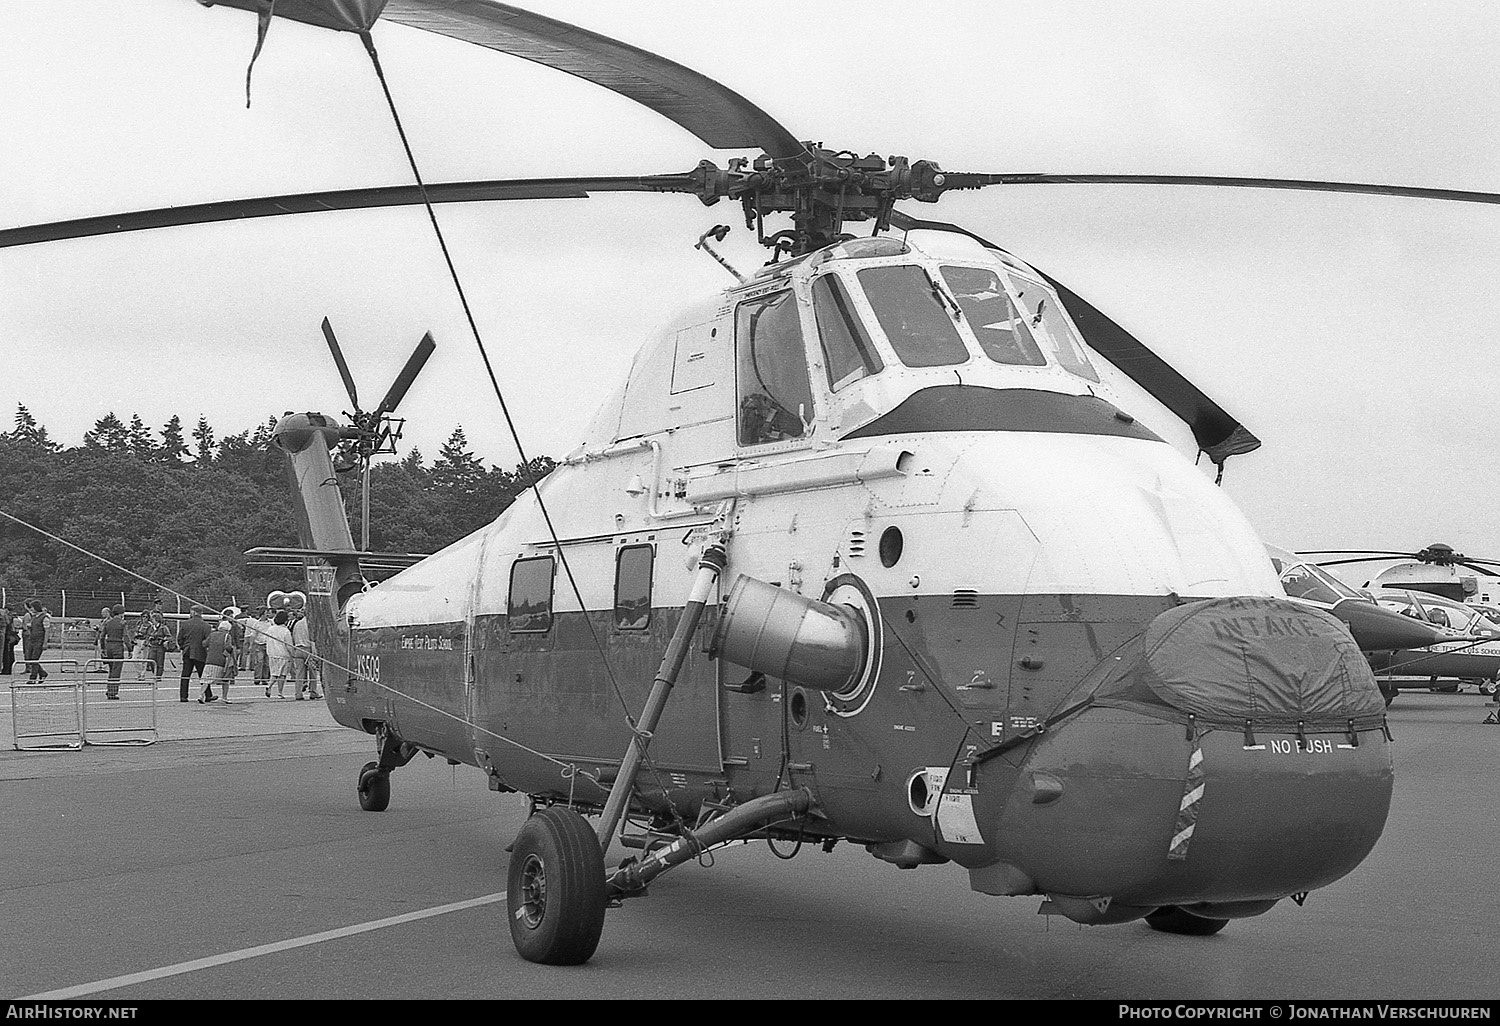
x,y
69,709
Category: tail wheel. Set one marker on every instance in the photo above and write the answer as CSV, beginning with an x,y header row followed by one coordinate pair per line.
x,y
556,889
374,788
1174,919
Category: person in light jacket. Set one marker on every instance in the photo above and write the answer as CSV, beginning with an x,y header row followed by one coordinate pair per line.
x,y
278,652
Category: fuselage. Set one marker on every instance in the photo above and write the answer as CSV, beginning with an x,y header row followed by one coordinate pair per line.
x,y
921,436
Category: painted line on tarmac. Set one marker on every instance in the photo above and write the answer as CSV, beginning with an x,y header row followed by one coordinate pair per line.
x,y
114,982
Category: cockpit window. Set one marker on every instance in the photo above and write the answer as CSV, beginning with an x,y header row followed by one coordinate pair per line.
x,y
1001,332
775,393
915,314
1305,580
1040,311
1299,581
847,351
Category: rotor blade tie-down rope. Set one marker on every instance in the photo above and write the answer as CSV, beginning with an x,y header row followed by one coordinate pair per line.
x,y
263,15
510,424
323,661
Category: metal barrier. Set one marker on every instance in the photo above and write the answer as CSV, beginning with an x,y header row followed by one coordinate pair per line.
x,y
127,715
49,714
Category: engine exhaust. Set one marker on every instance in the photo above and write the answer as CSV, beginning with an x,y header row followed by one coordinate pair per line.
x,y
797,639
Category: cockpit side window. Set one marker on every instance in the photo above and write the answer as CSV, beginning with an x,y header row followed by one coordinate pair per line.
x,y
848,353
775,392
1001,332
1039,308
915,315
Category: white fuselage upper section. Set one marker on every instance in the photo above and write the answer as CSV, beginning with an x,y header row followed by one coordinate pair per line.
x,y
1049,508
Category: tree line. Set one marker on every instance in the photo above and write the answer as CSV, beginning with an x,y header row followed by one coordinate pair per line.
x,y
181,507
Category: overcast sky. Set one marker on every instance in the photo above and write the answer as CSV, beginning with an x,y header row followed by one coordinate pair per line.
x,y
1354,335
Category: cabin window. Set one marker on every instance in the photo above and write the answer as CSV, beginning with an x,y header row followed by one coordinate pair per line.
x,y
848,353
633,587
1040,308
775,392
915,315
998,328
530,607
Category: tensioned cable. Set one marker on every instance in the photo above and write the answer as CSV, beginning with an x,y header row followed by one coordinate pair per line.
x,y
1435,655
195,604
489,369
510,424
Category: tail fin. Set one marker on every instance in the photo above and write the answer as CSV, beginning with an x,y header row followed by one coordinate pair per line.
x,y
322,523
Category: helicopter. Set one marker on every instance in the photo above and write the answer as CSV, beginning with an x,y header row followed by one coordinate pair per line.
x,y
1400,630
1436,569
884,544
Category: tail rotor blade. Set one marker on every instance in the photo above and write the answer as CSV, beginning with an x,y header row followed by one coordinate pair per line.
x,y
408,374
338,358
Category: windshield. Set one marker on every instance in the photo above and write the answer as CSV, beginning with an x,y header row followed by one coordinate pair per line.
x,y
915,315
1307,581
1042,314
847,352
1299,581
1001,331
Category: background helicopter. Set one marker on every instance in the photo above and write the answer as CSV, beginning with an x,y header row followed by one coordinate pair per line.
x,y
1428,637
1438,569
1200,443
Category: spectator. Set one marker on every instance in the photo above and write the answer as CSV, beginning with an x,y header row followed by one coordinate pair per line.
x,y
155,636
9,635
303,668
258,660
278,653
34,639
112,642
192,640
218,649
232,623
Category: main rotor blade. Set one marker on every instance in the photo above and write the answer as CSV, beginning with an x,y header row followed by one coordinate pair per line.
x,y
1371,553
408,374
964,180
1361,559
342,199
714,113
338,358
1216,432
1480,565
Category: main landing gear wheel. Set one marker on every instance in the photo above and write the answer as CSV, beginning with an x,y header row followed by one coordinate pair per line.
x,y
1174,919
556,891
374,788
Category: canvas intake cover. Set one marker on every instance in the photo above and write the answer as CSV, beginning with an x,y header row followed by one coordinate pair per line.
x,y
1274,663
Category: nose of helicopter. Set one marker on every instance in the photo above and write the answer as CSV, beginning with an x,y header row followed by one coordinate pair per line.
x,y
1232,756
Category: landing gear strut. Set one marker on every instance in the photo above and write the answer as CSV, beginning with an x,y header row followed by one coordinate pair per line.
x,y
374,785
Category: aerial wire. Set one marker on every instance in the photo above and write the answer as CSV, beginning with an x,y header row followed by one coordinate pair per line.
x,y
569,768
510,424
484,355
